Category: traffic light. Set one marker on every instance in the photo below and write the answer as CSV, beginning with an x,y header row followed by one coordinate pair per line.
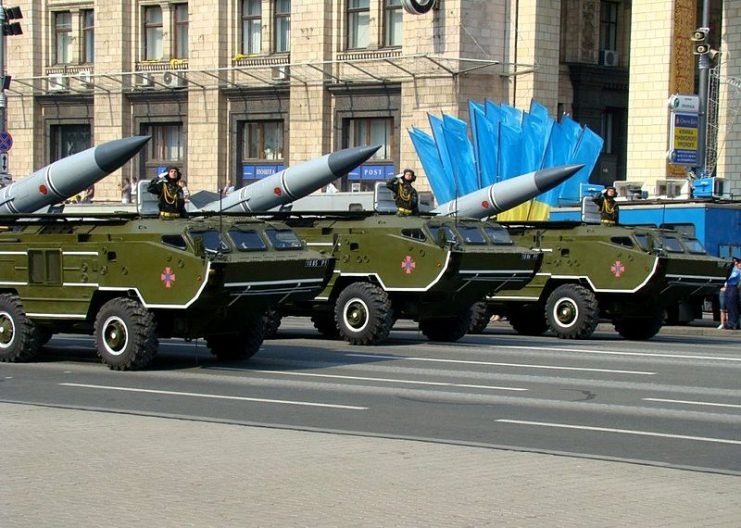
x,y
700,41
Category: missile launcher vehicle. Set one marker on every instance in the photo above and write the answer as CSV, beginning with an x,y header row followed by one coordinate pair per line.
x,y
427,268
627,275
130,280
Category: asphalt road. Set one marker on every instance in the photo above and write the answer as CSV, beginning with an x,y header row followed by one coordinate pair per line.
x,y
673,401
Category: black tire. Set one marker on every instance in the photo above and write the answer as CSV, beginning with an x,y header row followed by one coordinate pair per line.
x,y
528,321
447,329
572,312
236,346
125,335
363,314
19,337
325,324
480,316
45,336
639,328
273,318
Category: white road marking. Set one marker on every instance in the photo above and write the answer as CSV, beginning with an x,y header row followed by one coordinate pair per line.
x,y
386,380
687,402
216,396
617,353
497,364
624,431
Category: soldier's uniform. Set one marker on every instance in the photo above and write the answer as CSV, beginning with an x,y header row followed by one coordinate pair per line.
x,y
405,196
171,198
609,209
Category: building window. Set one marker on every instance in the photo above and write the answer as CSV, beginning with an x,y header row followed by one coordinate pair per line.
x,y
251,26
167,147
372,131
282,26
358,20
392,23
152,33
66,140
263,140
62,37
608,25
181,31
88,36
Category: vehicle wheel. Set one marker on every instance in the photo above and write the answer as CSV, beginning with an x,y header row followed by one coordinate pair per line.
x,y
19,337
273,318
325,324
125,335
363,314
240,345
480,316
528,321
446,329
572,312
639,328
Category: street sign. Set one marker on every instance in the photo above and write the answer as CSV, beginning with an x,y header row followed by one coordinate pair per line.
x,y
687,104
683,139
6,141
4,166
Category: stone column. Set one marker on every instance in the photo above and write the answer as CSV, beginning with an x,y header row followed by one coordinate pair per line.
x,y
661,64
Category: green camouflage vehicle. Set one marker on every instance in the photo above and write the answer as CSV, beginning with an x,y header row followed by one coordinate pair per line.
x,y
628,275
426,268
131,280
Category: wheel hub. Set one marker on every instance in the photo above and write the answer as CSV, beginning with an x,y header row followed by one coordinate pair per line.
x,y
115,336
566,312
356,315
7,330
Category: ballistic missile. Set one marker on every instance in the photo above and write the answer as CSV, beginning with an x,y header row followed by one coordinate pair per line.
x,y
507,194
292,183
68,176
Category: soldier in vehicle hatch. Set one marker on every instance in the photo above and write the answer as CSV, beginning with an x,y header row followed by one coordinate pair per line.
x,y
405,196
608,207
171,197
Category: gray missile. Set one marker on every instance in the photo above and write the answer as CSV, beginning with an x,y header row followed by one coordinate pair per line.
x,y
292,183
68,176
507,194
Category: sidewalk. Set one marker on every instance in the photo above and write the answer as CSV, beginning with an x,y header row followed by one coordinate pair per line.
x,y
68,468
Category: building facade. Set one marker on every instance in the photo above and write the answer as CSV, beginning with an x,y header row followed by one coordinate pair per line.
x,y
233,90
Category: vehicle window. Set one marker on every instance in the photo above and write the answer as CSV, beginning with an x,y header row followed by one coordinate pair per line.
x,y
671,244
498,235
687,230
471,235
449,234
416,234
622,241
694,246
283,239
247,240
643,240
211,240
176,241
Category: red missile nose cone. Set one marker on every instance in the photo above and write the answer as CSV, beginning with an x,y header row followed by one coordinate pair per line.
x,y
277,191
43,190
485,204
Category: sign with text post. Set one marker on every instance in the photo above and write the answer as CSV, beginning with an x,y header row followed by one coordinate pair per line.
x,y
683,139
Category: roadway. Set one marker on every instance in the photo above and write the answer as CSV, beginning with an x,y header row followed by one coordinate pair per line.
x,y
674,401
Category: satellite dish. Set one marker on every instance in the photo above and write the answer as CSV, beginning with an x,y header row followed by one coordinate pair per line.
x,y
418,7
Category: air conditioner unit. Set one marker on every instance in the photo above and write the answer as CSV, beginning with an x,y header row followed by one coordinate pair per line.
x,y
279,73
174,80
144,80
629,190
58,82
608,58
668,188
86,79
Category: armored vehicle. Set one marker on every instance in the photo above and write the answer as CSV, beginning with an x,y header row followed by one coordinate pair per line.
x,y
130,280
426,268
627,275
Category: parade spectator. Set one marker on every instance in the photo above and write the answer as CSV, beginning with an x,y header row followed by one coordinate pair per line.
x,y
134,189
184,186
732,297
125,191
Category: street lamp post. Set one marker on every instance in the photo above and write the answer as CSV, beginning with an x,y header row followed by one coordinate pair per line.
x,y
702,92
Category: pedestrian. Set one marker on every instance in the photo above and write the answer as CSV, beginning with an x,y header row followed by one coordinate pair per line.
x,y
732,297
609,209
134,189
167,188
87,195
405,196
184,186
125,191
